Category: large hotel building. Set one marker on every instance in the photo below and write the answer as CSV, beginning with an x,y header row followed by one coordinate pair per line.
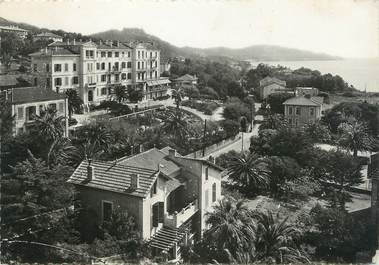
x,y
94,69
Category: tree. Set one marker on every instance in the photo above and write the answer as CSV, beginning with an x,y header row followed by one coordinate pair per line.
x,y
249,173
175,124
355,136
344,171
276,102
74,102
276,239
231,227
317,132
255,75
121,225
236,90
49,125
134,95
121,93
235,109
178,95
337,235
274,122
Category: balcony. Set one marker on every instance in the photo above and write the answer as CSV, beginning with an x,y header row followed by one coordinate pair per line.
x,y
176,219
91,84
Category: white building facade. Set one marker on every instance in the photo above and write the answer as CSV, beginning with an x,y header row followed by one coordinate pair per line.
x,y
95,69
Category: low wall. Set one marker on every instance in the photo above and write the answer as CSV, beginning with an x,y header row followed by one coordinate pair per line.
x,y
214,147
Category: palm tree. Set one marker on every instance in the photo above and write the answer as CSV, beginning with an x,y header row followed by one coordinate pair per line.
x,y
248,172
49,125
178,94
175,124
120,92
275,240
62,151
355,136
231,228
74,101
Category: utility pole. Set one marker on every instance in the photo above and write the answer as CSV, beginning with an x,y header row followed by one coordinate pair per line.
x,y
205,131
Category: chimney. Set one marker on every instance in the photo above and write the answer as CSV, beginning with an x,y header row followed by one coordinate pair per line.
x,y
74,41
171,153
140,148
132,150
134,181
90,171
118,43
100,42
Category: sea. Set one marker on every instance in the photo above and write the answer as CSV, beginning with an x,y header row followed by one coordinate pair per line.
x,y
361,73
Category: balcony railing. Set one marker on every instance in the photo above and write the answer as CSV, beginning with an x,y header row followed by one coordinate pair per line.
x,y
93,84
178,218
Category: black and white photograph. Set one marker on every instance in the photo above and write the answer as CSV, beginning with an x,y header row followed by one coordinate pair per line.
x,y
158,132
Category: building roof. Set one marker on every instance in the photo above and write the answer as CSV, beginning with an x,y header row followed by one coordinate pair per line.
x,y
114,177
306,88
8,80
48,35
270,80
162,81
304,101
150,159
186,77
15,28
52,52
34,94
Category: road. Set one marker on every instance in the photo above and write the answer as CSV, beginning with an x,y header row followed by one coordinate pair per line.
x,y
237,146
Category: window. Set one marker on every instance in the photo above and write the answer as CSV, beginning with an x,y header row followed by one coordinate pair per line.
x,y
35,67
214,192
290,121
155,74
296,122
289,110
31,111
102,66
151,74
103,54
206,173
74,67
57,68
116,54
123,76
66,67
53,106
47,67
107,210
158,213
129,76
89,67
139,76
116,78
75,80
154,188
66,81
109,66
151,54
123,65
58,81
109,54
48,82
60,107
139,54
123,54
103,91
20,113
103,78
138,65
116,66
35,81
129,54
311,111
129,64
97,66
297,110
206,198
91,54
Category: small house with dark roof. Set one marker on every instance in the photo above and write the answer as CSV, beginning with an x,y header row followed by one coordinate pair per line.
x,y
29,102
168,194
270,85
303,109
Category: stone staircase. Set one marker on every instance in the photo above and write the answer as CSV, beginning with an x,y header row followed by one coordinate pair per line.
x,y
166,238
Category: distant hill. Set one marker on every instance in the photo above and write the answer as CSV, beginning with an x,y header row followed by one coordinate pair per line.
x,y
255,52
263,53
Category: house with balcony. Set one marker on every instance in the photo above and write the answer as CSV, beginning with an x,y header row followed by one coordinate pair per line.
x,y
47,36
29,102
302,110
168,194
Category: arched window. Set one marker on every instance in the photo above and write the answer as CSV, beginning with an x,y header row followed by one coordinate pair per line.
x,y
123,76
123,65
102,66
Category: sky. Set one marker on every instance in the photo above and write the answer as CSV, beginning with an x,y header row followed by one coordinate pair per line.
x,y
347,28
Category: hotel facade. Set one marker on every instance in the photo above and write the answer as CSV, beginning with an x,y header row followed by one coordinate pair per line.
x,y
95,69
